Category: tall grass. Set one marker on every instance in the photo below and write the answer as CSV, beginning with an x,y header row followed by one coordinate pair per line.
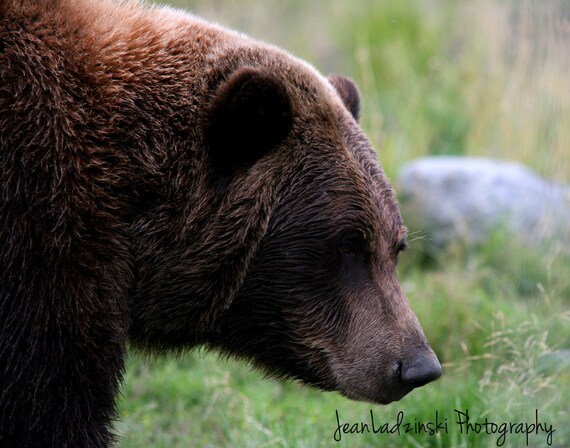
x,y
483,78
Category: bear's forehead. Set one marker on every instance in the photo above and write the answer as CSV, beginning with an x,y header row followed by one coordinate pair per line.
x,y
344,184
378,194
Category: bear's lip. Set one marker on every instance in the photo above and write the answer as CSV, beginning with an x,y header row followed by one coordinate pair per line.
x,y
388,395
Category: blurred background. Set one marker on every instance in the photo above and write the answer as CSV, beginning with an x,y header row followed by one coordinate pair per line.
x,y
485,78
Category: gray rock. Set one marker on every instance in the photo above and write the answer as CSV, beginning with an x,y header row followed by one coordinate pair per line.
x,y
457,198
557,361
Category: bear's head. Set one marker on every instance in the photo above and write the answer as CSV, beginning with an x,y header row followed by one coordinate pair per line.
x,y
320,300
285,245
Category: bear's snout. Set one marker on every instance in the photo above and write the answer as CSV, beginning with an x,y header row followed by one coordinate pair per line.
x,y
420,370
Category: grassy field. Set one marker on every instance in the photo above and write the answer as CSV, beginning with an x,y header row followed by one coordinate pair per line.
x,y
487,78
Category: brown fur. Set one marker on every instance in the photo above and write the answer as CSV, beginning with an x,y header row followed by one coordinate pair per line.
x,y
150,189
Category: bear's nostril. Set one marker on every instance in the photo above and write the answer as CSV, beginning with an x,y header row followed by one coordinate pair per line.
x,y
420,370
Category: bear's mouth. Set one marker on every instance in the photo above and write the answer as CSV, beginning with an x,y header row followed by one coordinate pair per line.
x,y
384,393
386,386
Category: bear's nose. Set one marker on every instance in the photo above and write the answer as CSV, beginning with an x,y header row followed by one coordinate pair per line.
x,y
420,370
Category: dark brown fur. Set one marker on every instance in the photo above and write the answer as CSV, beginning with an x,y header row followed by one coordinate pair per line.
x,y
149,189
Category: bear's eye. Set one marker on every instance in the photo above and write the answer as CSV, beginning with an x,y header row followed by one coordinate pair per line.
x,y
347,249
352,244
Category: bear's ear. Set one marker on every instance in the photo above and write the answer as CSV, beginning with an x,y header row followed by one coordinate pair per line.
x,y
348,92
250,115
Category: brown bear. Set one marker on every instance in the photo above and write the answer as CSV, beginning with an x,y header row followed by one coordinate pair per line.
x,y
178,184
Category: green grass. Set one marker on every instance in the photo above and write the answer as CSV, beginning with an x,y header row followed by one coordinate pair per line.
x,y
437,77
